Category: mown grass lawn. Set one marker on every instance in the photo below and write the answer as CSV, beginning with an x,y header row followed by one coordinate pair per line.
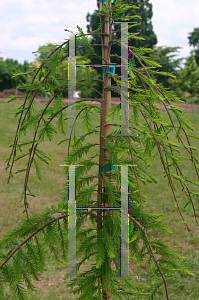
x,y
48,192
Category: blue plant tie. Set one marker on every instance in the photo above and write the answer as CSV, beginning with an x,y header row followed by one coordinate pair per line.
x,y
108,69
106,168
112,1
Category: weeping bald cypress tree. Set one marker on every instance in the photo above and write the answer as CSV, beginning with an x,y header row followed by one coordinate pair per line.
x,y
22,255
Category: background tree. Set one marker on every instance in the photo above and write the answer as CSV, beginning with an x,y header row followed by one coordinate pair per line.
x,y
186,84
146,39
194,41
168,64
9,67
194,37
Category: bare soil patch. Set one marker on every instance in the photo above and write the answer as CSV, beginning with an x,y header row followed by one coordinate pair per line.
x,y
190,108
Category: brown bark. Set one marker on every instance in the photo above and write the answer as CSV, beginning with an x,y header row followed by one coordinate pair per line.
x,y
104,130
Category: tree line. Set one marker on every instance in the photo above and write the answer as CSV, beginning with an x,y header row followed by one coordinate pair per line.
x,y
185,86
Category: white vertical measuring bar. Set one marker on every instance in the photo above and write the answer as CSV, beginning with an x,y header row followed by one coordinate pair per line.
x,y
124,223
71,86
72,224
124,80
72,83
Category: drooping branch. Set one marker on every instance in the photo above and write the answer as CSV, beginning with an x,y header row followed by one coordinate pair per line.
x,y
177,167
31,159
29,237
37,231
19,123
29,163
151,250
159,91
168,174
16,138
95,216
129,143
176,130
170,182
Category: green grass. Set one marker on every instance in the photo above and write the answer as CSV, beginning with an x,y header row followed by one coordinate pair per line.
x,y
48,192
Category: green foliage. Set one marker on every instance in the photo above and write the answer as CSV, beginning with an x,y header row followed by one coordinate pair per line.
x,y
29,259
194,41
22,250
167,64
8,68
194,37
186,85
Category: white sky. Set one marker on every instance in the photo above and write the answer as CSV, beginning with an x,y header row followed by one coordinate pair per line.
x,y
27,24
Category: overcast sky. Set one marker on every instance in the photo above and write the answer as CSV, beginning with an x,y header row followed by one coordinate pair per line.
x,y
27,24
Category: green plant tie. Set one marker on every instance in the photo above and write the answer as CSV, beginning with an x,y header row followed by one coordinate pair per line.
x,y
106,168
108,69
112,1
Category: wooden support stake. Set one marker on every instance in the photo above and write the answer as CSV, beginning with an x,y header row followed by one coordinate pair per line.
x,y
105,106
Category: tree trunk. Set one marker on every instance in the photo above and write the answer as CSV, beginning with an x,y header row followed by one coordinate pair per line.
x,y
104,130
